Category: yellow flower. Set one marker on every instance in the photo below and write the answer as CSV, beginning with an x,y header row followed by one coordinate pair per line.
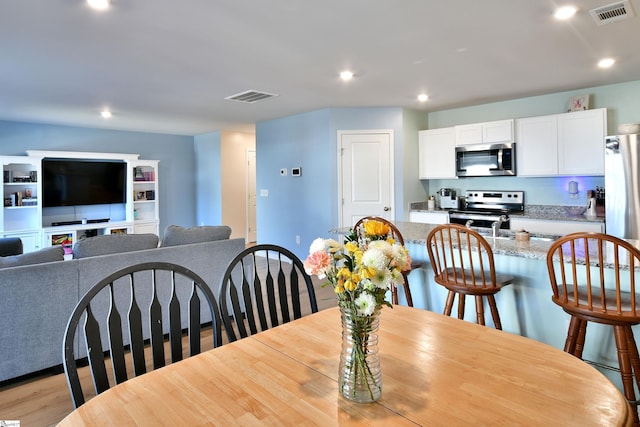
x,y
368,272
339,288
344,272
350,285
351,246
376,228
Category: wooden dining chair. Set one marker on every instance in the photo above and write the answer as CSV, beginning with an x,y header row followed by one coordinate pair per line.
x,y
462,262
595,278
264,286
395,234
132,311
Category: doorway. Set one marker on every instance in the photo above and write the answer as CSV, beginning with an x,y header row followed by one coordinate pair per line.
x,y
365,175
252,235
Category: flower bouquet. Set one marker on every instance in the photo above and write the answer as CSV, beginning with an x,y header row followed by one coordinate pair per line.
x,y
361,271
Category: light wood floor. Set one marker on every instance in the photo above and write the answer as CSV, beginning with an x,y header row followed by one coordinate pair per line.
x,y
44,401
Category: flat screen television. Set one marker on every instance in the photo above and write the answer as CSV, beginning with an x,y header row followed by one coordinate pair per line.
x,y
74,182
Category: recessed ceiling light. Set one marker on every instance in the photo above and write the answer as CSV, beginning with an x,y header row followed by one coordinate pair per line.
x,y
99,4
106,114
346,75
606,62
565,12
423,97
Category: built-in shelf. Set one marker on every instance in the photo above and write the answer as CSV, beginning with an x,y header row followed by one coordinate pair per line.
x,y
32,222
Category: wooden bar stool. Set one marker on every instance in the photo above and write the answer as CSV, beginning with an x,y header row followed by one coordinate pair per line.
x,y
462,262
395,234
594,277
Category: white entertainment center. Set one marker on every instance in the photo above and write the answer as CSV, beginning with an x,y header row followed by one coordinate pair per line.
x,y
25,216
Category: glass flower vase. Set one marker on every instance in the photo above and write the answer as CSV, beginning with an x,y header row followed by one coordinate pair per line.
x,y
360,377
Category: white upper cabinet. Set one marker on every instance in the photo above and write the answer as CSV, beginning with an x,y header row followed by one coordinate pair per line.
x,y
485,133
437,152
562,144
581,142
537,147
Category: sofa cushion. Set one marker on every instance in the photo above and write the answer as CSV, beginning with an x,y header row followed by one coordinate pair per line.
x,y
113,244
54,253
175,235
10,246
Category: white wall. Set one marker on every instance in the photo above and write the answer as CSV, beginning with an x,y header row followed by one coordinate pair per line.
x,y
233,170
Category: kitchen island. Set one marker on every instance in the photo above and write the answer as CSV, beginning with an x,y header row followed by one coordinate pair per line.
x,y
525,306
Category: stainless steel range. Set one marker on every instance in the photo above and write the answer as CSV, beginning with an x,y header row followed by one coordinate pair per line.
x,y
488,209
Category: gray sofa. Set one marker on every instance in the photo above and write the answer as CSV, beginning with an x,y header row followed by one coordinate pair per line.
x,y
37,300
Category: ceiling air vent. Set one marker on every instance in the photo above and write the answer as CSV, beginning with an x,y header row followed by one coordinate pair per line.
x,y
612,13
250,96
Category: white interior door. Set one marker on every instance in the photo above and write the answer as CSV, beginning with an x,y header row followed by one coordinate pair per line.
x,y
365,175
252,235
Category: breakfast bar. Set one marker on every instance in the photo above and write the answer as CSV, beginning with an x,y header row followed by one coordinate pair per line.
x,y
525,306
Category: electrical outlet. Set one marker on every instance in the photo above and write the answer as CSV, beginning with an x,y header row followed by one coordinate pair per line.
x,y
297,239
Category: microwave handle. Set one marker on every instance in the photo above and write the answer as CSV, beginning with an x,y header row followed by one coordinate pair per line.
x,y
500,166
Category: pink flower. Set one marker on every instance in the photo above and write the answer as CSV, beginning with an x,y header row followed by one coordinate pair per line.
x,y
317,263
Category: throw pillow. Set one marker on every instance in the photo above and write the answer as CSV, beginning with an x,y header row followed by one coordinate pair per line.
x,y
175,235
114,244
54,253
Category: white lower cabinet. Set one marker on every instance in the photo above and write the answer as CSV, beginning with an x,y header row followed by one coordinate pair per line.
x,y
142,227
559,228
429,217
31,240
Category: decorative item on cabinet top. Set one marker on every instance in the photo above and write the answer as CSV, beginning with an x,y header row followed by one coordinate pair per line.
x,y
579,103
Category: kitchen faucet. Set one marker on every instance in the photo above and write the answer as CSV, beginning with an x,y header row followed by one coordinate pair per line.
x,y
468,223
495,226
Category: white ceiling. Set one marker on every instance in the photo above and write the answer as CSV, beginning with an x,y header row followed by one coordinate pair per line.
x,y
166,66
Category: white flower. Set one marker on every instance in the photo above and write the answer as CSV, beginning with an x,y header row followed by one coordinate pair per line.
x,y
375,257
317,245
365,304
381,245
382,279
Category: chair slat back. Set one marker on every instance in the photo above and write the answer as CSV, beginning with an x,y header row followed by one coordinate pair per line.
x,y
261,289
595,274
174,296
461,256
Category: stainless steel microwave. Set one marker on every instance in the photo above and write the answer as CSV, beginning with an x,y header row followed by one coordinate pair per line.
x,y
486,159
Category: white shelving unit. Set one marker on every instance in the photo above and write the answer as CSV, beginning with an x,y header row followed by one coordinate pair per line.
x,y
23,215
146,212
22,209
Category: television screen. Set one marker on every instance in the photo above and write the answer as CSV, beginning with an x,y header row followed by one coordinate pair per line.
x,y
72,182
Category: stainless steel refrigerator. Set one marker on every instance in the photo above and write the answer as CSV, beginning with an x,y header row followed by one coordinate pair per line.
x,y
622,185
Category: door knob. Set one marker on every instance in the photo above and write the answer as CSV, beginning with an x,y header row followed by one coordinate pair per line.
x,y
387,208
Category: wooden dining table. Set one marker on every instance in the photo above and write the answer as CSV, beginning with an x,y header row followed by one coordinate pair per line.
x,y
436,370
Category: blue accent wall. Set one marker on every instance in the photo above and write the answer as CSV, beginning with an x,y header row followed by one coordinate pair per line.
x,y
207,149
307,206
177,177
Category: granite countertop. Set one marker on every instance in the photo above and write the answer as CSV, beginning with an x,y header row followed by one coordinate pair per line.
x,y
505,244
542,212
